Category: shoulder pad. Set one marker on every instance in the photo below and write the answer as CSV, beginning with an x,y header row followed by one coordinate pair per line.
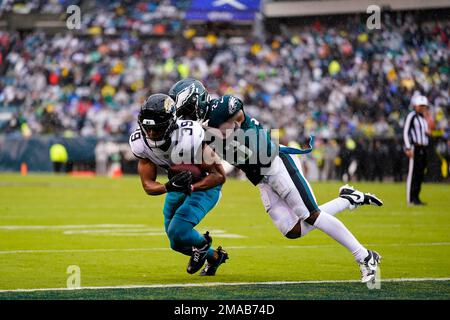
x,y
223,109
137,144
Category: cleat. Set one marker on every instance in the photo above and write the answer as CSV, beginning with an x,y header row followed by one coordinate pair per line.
x,y
355,197
369,266
198,256
372,200
358,198
211,267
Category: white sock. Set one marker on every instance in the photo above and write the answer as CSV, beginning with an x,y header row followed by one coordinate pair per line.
x,y
332,207
335,206
336,230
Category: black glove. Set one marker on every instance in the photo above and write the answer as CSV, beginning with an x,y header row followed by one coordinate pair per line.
x,y
180,182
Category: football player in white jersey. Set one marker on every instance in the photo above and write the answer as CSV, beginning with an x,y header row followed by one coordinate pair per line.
x,y
162,140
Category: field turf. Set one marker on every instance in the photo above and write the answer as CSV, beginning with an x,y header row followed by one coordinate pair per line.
x,y
114,233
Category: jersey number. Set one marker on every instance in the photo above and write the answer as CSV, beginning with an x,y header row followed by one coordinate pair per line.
x,y
187,131
256,122
136,136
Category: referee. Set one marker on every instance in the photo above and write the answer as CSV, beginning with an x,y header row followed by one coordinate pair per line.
x,y
415,137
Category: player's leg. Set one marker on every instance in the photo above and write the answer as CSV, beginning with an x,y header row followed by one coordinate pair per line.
x,y
333,207
349,198
214,257
282,217
289,223
292,186
172,202
184,238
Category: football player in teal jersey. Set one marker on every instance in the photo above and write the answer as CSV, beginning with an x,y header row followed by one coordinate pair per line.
x,y
286,194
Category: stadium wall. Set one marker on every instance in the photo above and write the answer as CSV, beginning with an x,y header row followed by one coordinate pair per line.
x,y
34,151
101,155
279,9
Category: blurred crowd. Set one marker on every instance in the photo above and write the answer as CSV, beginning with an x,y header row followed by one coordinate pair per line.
x,y
35,6
111,17
334,81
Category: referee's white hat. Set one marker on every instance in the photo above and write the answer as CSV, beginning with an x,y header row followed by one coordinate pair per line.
x,y
419,100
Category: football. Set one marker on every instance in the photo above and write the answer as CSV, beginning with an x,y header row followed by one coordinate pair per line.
x,y
197,173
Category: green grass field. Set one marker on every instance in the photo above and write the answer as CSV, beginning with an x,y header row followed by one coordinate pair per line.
x,y
114,233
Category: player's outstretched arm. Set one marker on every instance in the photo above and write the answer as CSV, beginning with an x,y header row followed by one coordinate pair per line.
x,y
147,172
211,164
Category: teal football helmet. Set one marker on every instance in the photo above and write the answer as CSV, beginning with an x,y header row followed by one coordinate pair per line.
x,y
191,98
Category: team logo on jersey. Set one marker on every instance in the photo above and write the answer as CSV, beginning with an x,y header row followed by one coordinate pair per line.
x,y
184,95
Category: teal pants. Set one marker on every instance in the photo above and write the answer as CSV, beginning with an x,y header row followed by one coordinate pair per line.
x,y
182,213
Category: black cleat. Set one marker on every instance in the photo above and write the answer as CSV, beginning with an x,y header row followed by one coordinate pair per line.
x,y
198,256
358,198
211,267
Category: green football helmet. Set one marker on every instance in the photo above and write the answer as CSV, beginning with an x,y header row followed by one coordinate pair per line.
x,y
191,98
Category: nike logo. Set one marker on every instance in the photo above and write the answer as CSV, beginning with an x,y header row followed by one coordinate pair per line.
x,y
373,264
356,195
175,185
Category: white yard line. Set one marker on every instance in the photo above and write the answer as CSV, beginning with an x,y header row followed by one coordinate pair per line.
x,y
70,226
119,230
215,284
82,250
419,244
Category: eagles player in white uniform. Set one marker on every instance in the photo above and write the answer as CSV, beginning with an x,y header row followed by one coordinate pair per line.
x,y
285,192
163,141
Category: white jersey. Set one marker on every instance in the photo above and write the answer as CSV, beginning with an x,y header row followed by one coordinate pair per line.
x,y
185,145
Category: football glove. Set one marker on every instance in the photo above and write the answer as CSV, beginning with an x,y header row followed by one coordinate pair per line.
x,y
181,182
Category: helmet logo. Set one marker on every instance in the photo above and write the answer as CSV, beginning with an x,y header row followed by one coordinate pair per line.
x,y
184,95
168,103
232,105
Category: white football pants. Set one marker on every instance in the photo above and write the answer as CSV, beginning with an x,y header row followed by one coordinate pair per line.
x,y
286,194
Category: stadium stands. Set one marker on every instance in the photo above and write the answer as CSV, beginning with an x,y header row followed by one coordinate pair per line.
x,y
339,80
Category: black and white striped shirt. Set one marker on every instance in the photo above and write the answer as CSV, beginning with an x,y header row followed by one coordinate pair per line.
x,y
415,130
